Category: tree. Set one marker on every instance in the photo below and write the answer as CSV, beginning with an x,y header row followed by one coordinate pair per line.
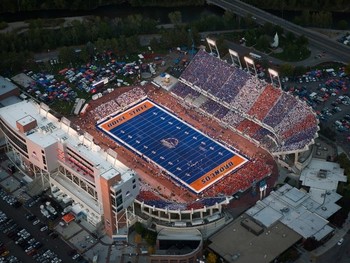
x,y
175,17
151,238
263,43
211,258
342,24
138,239
249,21
302,41
250,37
305,16
347,69
139,228
278,29
290,37
268,28
229,19
299,70
286,70
66,55
133,44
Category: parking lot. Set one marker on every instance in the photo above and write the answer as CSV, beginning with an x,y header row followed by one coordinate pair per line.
x,y
327,92
28,236
24,230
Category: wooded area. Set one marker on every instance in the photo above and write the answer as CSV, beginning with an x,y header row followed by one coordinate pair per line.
x,y
298,5
295,5
30,5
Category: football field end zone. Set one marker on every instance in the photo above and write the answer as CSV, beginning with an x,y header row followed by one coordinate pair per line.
x,y
201,183
125,116
217,173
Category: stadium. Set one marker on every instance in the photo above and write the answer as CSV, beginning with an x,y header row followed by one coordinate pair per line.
x,y
215,134
199,145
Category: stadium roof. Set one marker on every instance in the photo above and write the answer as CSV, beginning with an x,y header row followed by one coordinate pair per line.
x,y
323,175
50,130
297,210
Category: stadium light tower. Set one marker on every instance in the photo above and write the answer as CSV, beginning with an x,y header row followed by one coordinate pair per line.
x,y
235,58
212,44
275,79
250,65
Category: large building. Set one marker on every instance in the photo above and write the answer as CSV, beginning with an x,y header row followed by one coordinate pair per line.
x,y
285,217
94,182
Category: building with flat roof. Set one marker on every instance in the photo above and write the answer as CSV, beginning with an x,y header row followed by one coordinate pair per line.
x,y
7,89
322,175
275,223
79,173
297,210
236,243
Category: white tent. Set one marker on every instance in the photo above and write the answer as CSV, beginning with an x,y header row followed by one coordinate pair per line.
x,y
275,42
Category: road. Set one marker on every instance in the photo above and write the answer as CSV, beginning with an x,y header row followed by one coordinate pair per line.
x,y
339,51
339,254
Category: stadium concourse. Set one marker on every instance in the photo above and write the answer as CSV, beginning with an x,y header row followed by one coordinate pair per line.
x,y
158,187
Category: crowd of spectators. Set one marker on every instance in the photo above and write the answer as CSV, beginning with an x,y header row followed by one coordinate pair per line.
x,y
181,90
222,111
281,110
248,94
265,102
285,114
248,127
233,118
105,109
305,123
297,114
114,105
131,96
210,106
252,172
203,72
261,133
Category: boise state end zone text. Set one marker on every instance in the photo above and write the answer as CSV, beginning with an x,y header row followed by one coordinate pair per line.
x,y
123,118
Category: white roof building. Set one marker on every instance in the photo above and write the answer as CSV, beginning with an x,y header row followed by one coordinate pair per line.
x,y
322,175
297,210
93,179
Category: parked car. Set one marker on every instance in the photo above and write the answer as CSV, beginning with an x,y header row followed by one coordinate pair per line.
x,y
340,242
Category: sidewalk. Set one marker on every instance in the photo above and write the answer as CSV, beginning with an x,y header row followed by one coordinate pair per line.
x,y
306,257
339,233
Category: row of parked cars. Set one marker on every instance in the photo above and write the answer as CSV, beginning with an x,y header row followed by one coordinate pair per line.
x,y
11,200
22,237
342,125
26,241
47,256
5,256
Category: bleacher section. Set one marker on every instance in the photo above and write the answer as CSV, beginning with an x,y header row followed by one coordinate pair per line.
x,y
276,119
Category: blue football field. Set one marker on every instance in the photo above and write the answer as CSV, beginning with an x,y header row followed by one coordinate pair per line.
x,y
189,156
